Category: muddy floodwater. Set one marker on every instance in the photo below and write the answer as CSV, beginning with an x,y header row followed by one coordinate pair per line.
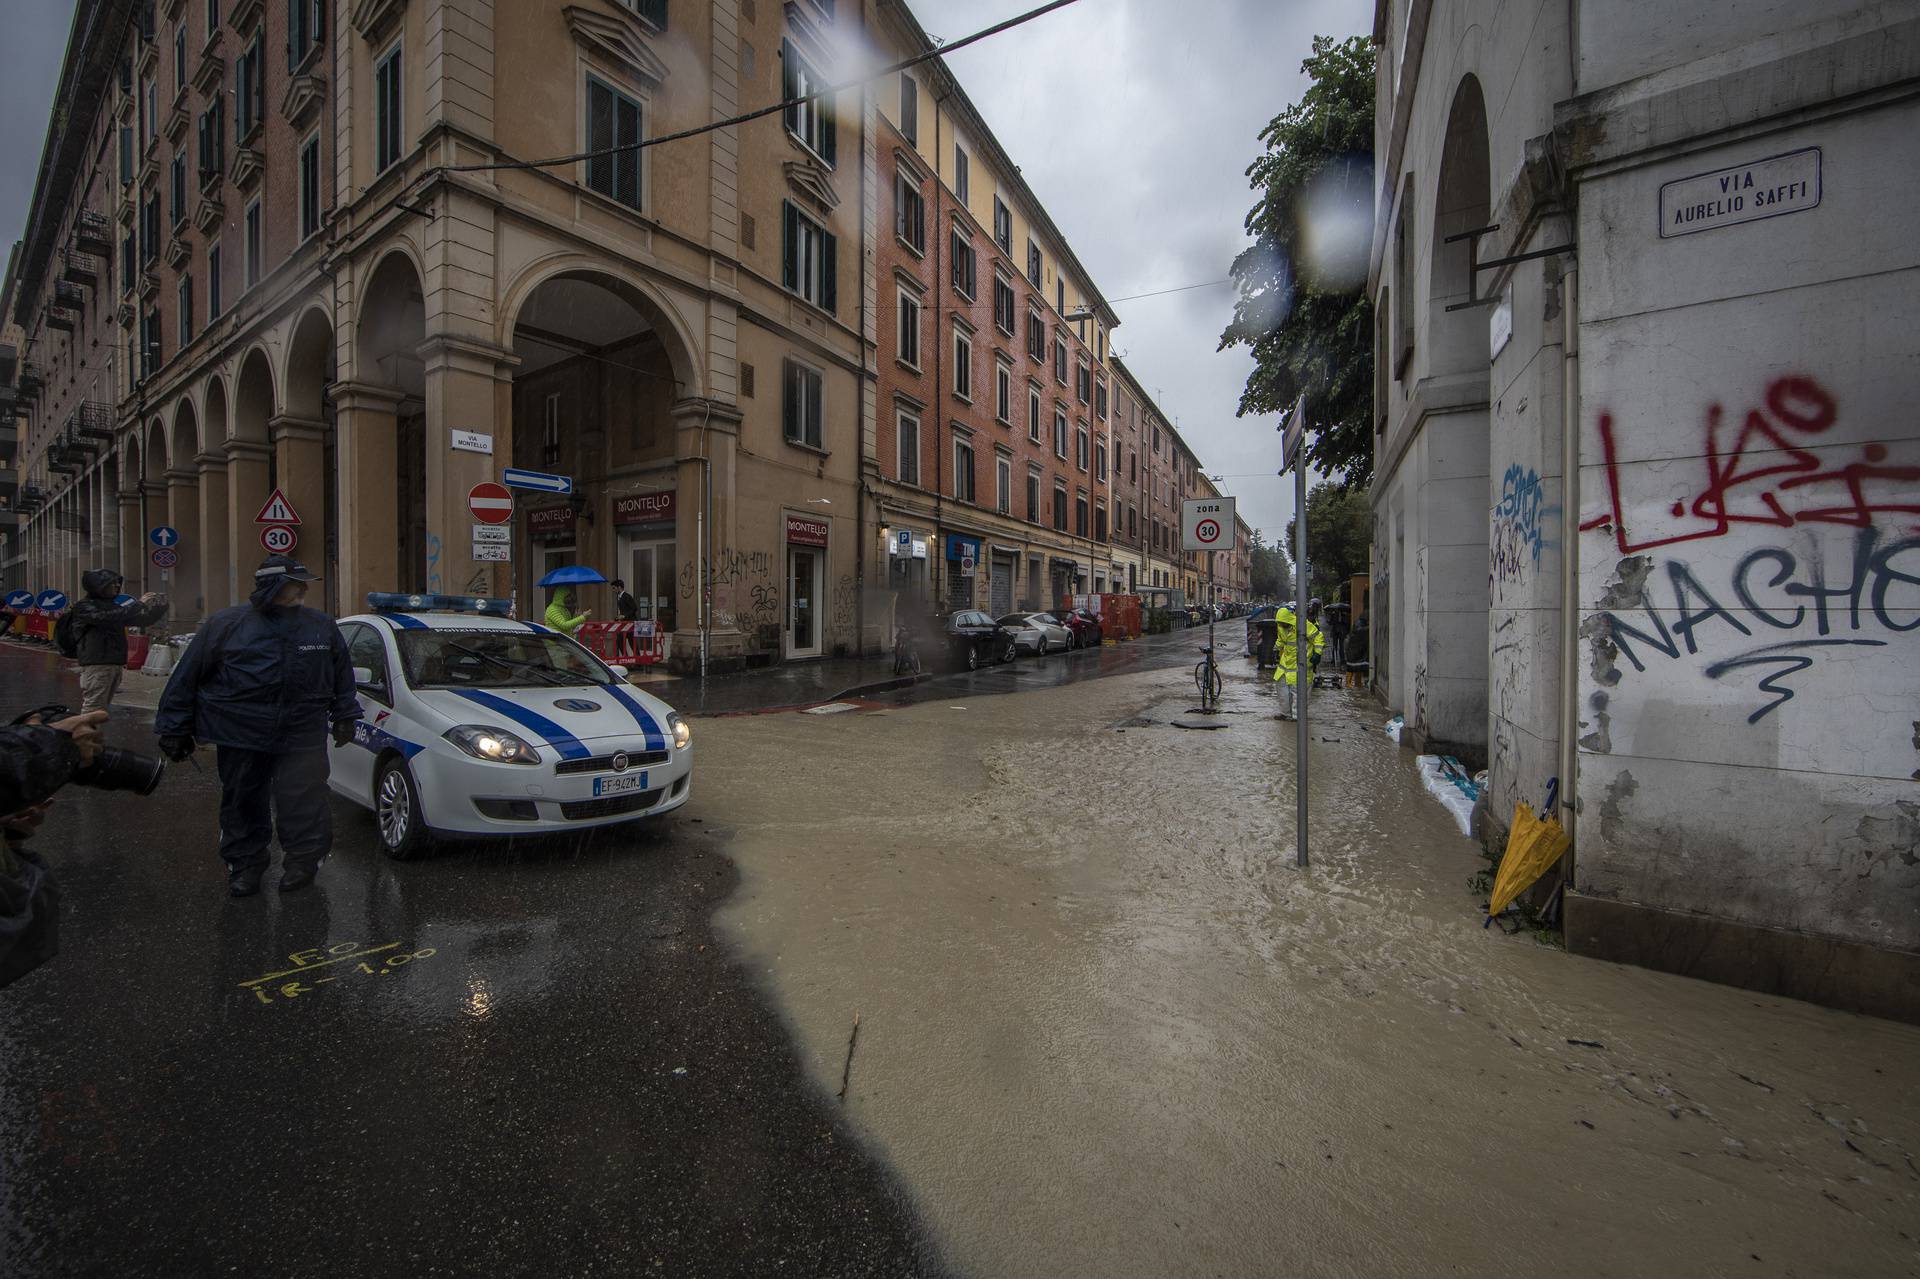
x,y
1107,1028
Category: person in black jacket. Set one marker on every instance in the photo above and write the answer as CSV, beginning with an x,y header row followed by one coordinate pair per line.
x,y
35,761
99,628
266,681
624,605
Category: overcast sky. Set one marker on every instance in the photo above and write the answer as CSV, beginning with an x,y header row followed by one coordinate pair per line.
x,y
1133,120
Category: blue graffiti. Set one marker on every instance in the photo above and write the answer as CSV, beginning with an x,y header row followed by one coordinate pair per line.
x,y
1519,524
433,563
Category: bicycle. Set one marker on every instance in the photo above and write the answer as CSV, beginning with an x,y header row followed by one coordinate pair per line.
x,y
1206,677
906,653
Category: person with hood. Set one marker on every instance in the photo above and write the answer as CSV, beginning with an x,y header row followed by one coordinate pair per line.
x,y
265,682
96,629
560,614
1287,655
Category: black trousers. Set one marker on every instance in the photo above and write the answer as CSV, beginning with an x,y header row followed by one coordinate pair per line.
x,y
260,790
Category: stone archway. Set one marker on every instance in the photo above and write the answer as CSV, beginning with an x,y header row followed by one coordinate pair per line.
x,y
216,516
183,512
303,447
380,434
249,466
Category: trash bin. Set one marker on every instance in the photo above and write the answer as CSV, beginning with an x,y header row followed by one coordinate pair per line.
x,y
137,646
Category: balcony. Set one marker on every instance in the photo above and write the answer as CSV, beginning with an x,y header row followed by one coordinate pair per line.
x,y
79,269
9,364
68,294
30,384
61,458
60,318
92,233
93,420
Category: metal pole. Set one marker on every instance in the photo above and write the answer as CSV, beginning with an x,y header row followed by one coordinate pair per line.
x,y
1300,651
1213,658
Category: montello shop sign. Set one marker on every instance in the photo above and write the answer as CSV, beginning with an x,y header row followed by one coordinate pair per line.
x,y
1767,188
644,508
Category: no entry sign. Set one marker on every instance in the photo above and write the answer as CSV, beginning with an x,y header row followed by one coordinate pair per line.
x,y
491,503
278,539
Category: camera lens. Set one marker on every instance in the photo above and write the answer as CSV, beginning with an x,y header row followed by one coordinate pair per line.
x,y
118,769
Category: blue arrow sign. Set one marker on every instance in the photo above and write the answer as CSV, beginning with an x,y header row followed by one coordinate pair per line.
x,y
51,601
19,599
164,536
539,480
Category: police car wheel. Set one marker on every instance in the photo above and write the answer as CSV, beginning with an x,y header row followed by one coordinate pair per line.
x,y
396,808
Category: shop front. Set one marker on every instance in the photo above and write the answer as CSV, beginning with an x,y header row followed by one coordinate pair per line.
x,y
1006,565
647,554
963,566
807,544
553,533
907,557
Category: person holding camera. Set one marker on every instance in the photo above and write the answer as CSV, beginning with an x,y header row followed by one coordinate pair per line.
x,y
265,682
94,634
36,760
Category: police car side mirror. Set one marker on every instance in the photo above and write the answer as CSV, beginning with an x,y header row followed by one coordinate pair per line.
x,y
363,674
620,672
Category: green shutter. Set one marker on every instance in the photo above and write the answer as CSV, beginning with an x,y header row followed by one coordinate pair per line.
x,y
599,136
829,273
790,248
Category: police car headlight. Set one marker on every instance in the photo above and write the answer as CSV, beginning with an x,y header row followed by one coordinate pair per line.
x,y
495,745
682,731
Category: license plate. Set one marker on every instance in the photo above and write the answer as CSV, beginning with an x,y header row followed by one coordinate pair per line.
x,y
619,785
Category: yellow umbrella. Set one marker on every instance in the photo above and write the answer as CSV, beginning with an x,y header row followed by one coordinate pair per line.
x,y
1533,844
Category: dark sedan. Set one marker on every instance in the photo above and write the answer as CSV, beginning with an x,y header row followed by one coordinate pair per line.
x,y
975,640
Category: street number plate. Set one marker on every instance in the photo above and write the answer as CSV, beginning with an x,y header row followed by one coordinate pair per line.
x,y
619,785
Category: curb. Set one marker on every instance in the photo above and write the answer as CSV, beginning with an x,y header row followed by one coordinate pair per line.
x,y
882,686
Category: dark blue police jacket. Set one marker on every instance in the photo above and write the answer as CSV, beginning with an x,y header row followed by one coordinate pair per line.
x,y
261,679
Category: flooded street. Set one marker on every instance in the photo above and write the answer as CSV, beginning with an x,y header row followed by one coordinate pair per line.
x,y
1106,1036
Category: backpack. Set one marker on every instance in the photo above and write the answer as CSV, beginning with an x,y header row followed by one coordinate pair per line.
x,y
65,637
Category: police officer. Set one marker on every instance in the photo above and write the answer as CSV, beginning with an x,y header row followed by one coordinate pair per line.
x,y
265,681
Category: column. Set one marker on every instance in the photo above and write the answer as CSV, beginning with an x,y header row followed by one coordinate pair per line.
x,y
469,388
153,512
183,512
133,538
300,468
711,430
246,493
216,540
366,430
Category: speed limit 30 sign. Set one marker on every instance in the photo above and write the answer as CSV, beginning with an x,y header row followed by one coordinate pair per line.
x,y
278,539
1206,524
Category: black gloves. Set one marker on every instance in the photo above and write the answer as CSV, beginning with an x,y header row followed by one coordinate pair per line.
x,y
342,732
176,748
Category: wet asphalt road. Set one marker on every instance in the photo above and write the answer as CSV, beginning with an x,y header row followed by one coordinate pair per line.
x,y
499,1059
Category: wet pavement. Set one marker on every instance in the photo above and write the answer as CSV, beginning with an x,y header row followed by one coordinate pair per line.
x,y
1106,1027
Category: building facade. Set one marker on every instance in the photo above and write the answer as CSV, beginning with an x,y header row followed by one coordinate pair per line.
x,y
1646,494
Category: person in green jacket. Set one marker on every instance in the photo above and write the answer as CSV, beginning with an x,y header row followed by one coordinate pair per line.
x,y
560,614
1287,653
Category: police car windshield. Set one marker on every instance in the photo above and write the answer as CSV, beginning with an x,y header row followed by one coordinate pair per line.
x,y
495,659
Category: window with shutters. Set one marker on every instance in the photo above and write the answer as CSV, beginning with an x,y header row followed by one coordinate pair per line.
x,y
213,143
909,108
810,121
909,210
180,59
1060,357
129,262
185,298
909,351
126,155
1083,382
1034,412
962,471
1060,505
1080,456
654,11
1033,494
213,281
808,259
1003,484
613,121
1033,263
306,27
249,90
960,173
254,248
1003,304
1100,460
1002,225
800,407
149,113
909,447
388,103
149,343
1100,399
177,190
150,228
1036,336
1002,390
310,186
964,265
1099,523
1060,433
962,363
213,16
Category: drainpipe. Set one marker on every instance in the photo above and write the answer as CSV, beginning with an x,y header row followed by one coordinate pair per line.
x,y
934,555
860,410
1569,552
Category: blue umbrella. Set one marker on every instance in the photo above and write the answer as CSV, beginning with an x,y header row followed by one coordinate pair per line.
x,y
573,575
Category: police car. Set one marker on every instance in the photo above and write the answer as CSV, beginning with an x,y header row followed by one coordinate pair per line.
x,y
473,723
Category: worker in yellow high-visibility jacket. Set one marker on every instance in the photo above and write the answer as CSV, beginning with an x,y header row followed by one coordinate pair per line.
x,y
560,613
1286,651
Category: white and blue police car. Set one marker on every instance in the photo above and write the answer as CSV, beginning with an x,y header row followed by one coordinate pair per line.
x,y
474,723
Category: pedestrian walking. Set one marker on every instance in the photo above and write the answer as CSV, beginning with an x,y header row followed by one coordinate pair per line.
x,y
94,634
1287,657
560,614
623,602
265,682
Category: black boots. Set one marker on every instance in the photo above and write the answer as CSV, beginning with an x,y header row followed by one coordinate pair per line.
x,y
243,881
295,878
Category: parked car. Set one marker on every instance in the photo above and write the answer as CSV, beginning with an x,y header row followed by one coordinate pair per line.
x,y
1037,632
975,640
1086,628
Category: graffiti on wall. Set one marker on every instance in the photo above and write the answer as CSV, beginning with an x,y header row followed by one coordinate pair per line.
x,y
1519,526
1766,472
1862,598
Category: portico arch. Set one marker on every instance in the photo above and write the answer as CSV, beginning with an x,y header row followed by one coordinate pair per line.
x,y
249,466
380,434
183,511
216,516
303,448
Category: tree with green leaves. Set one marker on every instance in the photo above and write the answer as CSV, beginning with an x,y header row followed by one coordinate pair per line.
x,y
1271,578
1303,305
1339,535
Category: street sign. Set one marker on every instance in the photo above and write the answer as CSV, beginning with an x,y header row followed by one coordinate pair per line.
x,y
54,601
164,558
1293,433
19,599
490,503
472,442
492,553
164,536
539,480
492,534
966,563
278,539
1206,524
278,510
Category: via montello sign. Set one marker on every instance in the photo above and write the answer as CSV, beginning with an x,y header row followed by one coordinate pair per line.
x,y
1788,183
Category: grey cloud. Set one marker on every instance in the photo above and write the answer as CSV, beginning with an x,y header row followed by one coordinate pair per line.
x,y
36,40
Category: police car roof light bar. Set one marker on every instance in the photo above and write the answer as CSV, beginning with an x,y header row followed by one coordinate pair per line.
x,y
395,602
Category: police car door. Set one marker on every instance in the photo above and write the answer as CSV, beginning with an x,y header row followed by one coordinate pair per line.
x,y
352,764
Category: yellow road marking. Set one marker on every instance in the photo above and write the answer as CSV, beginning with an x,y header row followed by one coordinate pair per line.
x,y
307,968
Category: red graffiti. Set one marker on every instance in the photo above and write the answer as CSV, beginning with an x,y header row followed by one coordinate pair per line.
x,y
1753,478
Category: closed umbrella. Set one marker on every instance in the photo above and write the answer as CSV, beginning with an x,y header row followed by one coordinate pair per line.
x,y
1534,844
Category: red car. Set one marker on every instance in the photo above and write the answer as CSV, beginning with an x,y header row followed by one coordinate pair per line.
x,y
1082,625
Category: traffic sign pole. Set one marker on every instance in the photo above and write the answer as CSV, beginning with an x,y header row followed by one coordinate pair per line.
x,y
1298,461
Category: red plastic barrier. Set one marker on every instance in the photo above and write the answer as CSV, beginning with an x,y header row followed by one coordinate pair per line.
x,y
624,643
137,646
